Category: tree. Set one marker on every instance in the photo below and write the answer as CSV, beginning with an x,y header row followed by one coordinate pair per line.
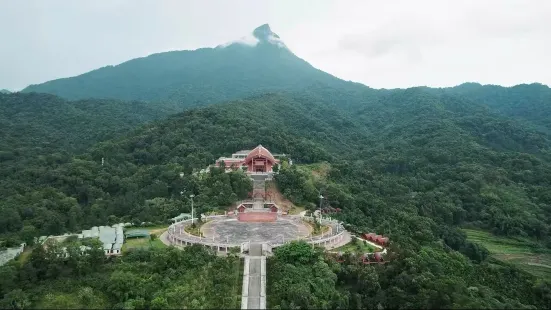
x,y
16,299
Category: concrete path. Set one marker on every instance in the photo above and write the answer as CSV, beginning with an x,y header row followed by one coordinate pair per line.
x,y
164,238
254,279
345,240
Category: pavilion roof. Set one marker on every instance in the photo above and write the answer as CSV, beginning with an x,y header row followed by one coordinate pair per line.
x,y
260,151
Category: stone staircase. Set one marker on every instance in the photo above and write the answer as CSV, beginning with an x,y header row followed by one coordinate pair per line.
x,y
253,294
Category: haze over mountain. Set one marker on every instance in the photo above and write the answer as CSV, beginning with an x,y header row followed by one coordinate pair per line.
x,y
252,65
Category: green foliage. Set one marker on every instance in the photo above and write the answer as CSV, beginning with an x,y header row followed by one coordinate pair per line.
x,y
415,165
196,78
301,279
43,124
526,102
144,278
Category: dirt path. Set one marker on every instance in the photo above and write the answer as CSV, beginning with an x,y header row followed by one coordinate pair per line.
x,y
282,202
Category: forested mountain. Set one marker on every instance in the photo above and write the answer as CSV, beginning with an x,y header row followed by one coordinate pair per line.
x,y
413,165
145,164
528,102
4,91
255,65
41,123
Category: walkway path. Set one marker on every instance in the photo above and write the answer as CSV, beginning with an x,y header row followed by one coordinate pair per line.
x,y
345,240
164,238
254,279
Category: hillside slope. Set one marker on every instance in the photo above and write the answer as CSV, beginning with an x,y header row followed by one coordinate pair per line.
x,y
41,121
198,77
530,103
414,166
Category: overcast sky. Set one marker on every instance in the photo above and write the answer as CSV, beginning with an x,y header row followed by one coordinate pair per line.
x,y
383,44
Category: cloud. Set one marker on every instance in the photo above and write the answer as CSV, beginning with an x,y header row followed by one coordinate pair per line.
x,y
464,23
396,43
381,46
249,40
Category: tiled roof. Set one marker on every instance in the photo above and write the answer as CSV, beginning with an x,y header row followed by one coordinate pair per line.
x,y
260,151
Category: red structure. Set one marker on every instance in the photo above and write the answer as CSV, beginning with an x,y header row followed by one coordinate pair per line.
x,y
373,258
368,236
257,160
257,217
379,239
383,240
329,210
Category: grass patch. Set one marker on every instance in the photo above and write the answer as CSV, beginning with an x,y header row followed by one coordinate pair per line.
x,y
295,210
357,246
24,257
157,244
135,243
319,171
315,229
502,245
238,272
194,229
526,254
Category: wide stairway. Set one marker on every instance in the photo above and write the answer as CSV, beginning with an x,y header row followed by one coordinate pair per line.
x,y
253,294
259,187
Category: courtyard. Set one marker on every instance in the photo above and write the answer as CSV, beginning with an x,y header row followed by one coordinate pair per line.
x,y
234,231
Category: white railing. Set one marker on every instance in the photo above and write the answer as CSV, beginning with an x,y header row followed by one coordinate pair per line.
x,y
183,237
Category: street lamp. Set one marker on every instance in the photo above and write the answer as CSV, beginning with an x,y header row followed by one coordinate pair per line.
x,y
321,200
192,211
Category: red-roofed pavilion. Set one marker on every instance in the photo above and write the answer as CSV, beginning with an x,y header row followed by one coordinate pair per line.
x,y
259,160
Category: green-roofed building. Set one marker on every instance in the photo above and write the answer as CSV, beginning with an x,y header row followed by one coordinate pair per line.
x,y
137,233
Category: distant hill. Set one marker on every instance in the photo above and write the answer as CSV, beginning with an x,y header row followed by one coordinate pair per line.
x,y
530,103
257,64
262,63
5,91
32,124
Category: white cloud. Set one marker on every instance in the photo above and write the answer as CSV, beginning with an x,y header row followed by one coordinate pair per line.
x,y
249,40
386,44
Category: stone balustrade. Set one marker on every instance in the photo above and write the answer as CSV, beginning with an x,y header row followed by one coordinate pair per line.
x,y
179,237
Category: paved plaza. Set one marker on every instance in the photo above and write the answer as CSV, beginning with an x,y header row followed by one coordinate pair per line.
x,y
237,232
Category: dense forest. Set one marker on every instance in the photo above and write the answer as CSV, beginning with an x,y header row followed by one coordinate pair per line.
x,y
527,102
144,278
57,192
40,124
413,165
419,165
198,77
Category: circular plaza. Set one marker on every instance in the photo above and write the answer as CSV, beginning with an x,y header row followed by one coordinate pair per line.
x,y
236,231
223,232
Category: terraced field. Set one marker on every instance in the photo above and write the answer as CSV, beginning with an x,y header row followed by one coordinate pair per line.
x,y
527,254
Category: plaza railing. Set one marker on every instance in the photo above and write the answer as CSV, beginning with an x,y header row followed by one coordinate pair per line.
x,y
178,236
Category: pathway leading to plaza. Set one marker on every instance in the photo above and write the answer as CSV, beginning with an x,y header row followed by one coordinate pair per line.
x,y
253,294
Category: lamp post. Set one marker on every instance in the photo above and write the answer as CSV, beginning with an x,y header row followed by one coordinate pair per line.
x,y
321,200
192,210
181,177
190,196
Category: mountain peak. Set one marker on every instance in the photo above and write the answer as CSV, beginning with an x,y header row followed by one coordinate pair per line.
x,y
261,35
264,33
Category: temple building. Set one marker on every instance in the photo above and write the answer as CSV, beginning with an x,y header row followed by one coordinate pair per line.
x,y
259,160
